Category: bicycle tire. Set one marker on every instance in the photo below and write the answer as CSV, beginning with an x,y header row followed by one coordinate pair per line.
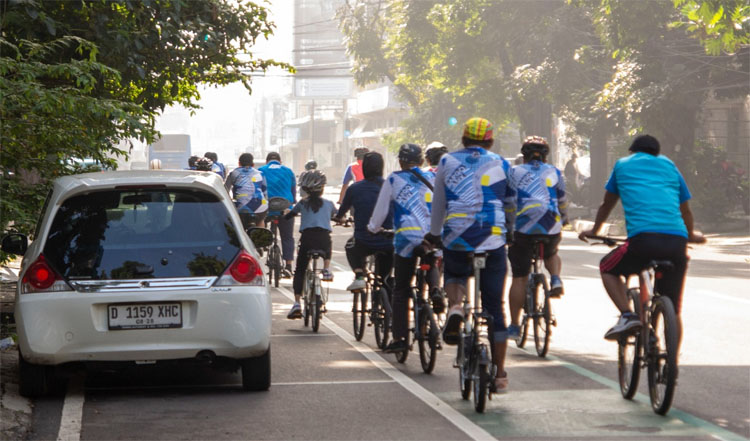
x,y
428,339
403,355
528,308
359,312
542,317
317,304
306,298
481,380
662,364
276,262
629,353
381,317
463,360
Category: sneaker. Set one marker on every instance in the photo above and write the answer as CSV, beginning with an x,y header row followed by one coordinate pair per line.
x,y
452,329
286,273
500,385
295,313
627,324
356,285
326,275
514,332
438,301
396,346
556,286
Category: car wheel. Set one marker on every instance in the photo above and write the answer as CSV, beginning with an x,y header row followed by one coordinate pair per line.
x,y
33,379
256,372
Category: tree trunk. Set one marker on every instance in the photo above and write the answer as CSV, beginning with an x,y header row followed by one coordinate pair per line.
x,y
599,169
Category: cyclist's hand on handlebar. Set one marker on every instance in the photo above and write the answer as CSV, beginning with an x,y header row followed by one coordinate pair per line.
x,y
586,234
697,237
433,240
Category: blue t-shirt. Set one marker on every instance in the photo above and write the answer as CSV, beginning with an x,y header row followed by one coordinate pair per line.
x,y
315,219
651,189
361,198
280,181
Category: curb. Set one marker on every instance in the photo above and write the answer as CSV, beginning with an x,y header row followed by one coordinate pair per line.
x,y
15,410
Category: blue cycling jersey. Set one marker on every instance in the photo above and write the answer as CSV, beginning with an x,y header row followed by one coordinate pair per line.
x,y
541,192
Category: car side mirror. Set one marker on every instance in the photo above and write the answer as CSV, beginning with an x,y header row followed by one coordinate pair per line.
x,y
261,237
16,243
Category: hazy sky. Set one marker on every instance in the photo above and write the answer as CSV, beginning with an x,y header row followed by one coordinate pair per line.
x,y
224,124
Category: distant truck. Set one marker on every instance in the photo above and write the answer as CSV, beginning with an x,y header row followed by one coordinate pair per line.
x,y
172,150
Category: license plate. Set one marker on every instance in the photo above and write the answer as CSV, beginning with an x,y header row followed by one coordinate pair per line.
x,y
144,315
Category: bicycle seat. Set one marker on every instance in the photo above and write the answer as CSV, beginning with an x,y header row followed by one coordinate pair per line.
x,y
316,253
664,265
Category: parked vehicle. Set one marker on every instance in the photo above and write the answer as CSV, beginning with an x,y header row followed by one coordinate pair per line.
x,y
141,266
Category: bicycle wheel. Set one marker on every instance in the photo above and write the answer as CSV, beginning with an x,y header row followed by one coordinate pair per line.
x,y
381,317
629,353
317,303
542,318
481,379
359,312
275,257
428,339
463,360
527,311
662,354
307,298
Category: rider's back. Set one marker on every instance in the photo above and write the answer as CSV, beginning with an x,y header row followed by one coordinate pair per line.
x,y
540,190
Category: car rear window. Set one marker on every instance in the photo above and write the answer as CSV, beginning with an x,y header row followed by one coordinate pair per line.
x,y
131,234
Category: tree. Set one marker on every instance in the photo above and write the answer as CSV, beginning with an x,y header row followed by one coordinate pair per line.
x,y
81,76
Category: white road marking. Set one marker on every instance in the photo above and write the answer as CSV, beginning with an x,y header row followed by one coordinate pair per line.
x,y
338,266
449,413
303,335
72,412
305,383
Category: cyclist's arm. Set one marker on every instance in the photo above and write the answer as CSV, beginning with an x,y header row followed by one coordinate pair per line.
x,y
230,182
437,215
562,197
610,200
687,217
345,205
382,206
509,203
348,177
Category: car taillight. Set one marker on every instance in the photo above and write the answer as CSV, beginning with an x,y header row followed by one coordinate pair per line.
x,y
40,277
244,270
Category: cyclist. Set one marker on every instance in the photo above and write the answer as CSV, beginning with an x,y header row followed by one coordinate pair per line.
x,y
432,154
249,189
353,171
315,229
217,167
659,224
281,182
361,198
473,209
408,193
542,210
203,164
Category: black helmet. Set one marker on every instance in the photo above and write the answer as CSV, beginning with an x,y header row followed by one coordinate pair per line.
x,y
410,154
535,147
203,164
434,152
360,152
311,165
312,181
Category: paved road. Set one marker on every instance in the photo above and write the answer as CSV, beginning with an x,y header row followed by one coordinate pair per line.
x,y
328,386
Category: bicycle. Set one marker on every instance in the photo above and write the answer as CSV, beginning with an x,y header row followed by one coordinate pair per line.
x,y
473,358
314,296
273,261
425,327
655,347
537,307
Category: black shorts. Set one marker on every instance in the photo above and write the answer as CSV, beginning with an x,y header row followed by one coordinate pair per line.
x,y
523,247
636,253
252,219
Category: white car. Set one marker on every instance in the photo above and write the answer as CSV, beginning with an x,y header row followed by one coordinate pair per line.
x,y
141,267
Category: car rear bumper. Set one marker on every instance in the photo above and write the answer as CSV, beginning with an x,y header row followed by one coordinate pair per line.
x,y
62,327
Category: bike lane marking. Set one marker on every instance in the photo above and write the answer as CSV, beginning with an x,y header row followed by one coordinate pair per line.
x,y
452,415
711,429
72,412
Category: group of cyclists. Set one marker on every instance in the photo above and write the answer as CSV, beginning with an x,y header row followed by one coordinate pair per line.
x,y
464,202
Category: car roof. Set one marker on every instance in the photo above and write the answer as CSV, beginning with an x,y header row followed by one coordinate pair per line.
x,y
111,179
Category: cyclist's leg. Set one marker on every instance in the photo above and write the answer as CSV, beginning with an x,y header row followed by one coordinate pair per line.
x,y
519,255
456,269
384,262
286,232
356,254
671,284
327,246
404,273
622,261
492,287
247,219
553,263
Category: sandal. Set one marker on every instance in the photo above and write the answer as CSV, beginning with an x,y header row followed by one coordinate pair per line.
x,y
500,385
